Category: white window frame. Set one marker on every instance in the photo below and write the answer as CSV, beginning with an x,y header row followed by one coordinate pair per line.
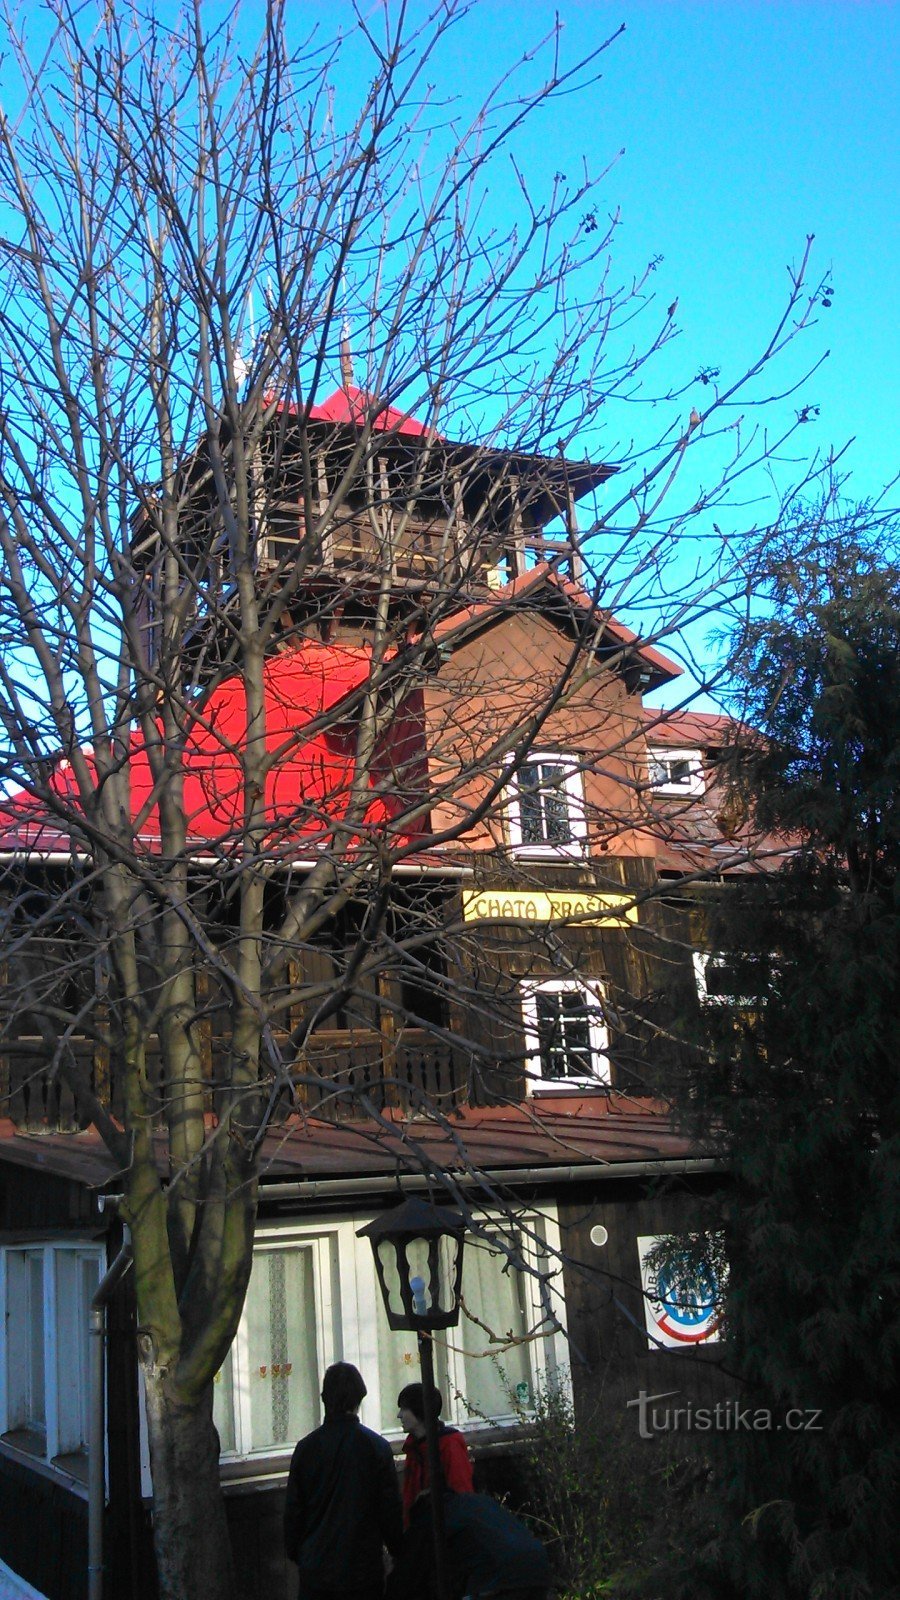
x,y
702,961
539,1242
572,787
325,1242
348,1307
598,1034
695,783
65,1334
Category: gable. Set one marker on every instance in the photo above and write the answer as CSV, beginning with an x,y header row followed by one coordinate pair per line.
x,y
484,693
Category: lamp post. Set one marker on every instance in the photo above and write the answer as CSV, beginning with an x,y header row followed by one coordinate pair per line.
x,y
418,1250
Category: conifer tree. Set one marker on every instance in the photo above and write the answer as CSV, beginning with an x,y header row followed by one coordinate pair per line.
x,y
800,1080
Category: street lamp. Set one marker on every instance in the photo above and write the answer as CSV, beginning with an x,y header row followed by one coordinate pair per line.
x,y
418,1250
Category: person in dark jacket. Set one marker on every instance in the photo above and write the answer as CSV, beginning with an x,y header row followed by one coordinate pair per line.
x,y
343,1502
490,1554
456,1463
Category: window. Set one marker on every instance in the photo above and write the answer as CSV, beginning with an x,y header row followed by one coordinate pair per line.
x,y
266,1395
313,1299
44,1387
546,807
497,1311
733,978
676,772
490,1366
566,1035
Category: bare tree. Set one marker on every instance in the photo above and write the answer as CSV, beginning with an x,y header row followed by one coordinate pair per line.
x,y
228,611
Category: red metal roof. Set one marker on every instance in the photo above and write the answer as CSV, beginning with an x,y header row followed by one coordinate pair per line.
x,y
585,1133
353,407
307,786
695,730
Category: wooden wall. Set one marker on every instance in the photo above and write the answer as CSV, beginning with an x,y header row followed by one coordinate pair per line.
x,y
44,1205
643,969
611,1356
43,1532
255,1519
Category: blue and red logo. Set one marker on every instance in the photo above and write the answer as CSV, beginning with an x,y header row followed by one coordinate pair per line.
x,y
681,1295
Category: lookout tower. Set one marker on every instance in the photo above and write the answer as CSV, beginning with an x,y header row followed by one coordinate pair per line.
x,y
356,504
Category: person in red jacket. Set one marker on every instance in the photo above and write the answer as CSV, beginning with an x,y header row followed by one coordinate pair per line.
x,y
455,1461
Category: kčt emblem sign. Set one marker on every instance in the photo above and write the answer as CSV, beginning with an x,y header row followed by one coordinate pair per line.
x,y
682,1294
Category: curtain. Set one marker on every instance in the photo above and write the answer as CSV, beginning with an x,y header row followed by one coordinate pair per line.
x,y
267,1394
497,1379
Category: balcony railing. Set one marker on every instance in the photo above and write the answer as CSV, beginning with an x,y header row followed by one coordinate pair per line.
x,y
419,549
37,1098
343,1071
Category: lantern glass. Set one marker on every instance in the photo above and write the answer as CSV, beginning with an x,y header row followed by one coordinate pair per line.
x,y
428,1283
429,1264
386,1251
418,1255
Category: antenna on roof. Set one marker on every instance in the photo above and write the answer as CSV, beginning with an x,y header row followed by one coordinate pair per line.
x,y
240,366
345,350
346,355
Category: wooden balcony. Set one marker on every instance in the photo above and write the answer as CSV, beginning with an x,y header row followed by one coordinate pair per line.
x,y
37,1099
344,1073
420,550
404,1070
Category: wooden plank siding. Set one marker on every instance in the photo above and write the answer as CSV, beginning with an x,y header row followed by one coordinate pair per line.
x,y
43,1532
39,1202
611,1357
643,969
472,1045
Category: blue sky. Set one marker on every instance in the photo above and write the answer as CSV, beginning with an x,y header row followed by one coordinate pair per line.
x,y
743,127
746,127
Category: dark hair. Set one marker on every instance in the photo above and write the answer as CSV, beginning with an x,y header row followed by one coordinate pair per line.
x,y
342,1389
412,1398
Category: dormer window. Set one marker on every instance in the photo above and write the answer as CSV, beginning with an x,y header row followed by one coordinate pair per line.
x,y
676,772
546,806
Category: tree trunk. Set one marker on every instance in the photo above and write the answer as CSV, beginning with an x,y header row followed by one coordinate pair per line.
x,y
190,1532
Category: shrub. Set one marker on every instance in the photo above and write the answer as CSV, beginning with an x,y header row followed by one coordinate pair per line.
x,y
591,1494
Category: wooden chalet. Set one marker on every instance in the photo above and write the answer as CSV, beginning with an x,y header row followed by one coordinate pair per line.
x,y
537,1042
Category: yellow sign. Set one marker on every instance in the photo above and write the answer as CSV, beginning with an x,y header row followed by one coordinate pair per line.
x,y
559,905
